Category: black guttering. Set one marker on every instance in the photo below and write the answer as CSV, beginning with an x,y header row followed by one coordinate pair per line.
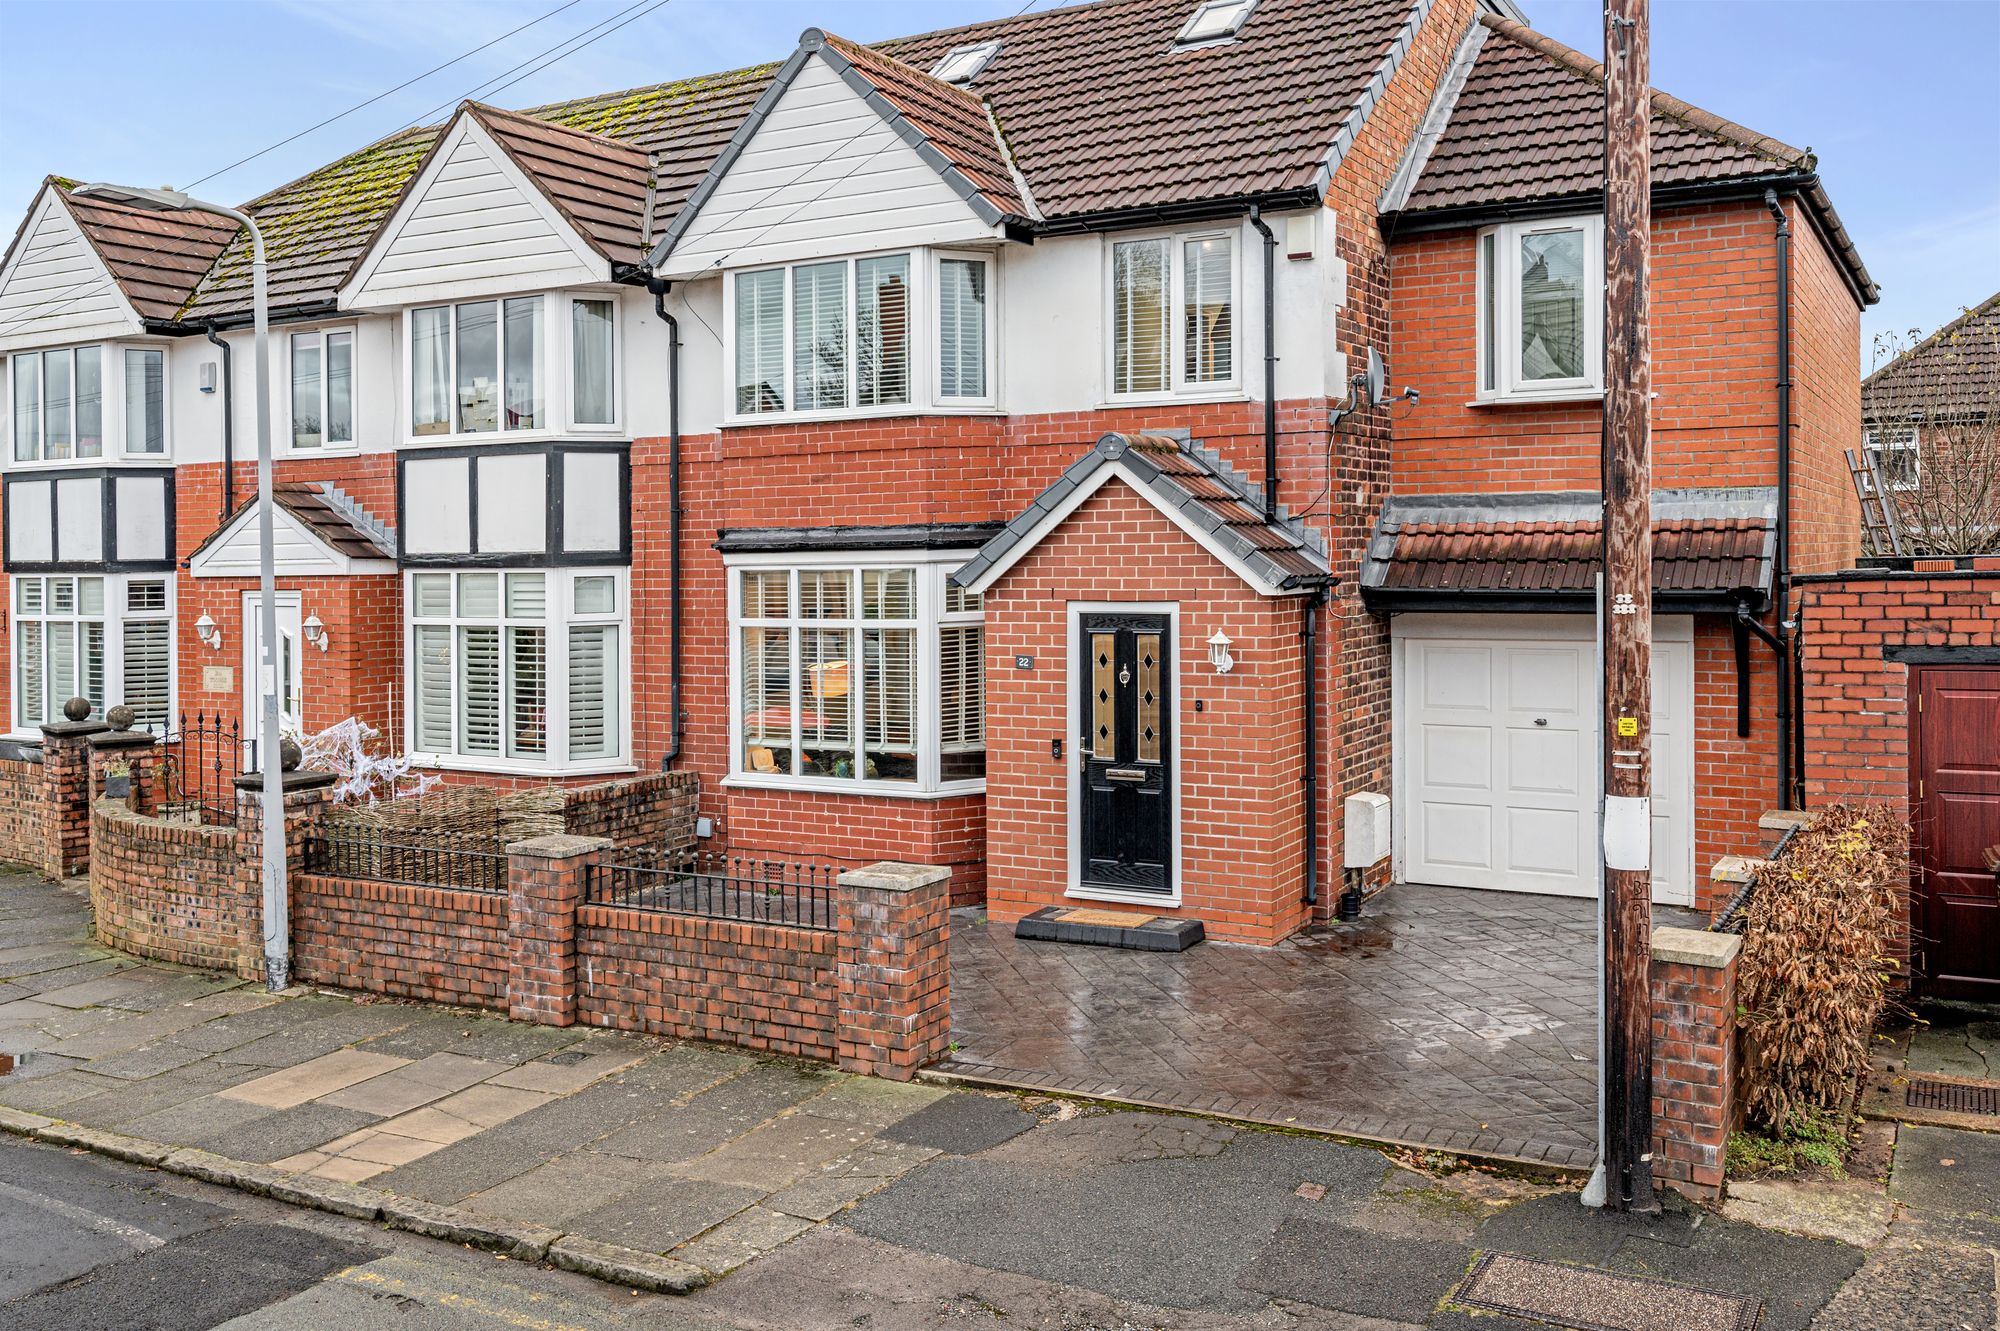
x,y
901,536
296,314
674,513
1270,363
228,428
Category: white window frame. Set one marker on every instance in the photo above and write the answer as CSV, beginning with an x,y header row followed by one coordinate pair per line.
x,y
1879,449
111,374
323,449
565,348
1179,387
114,617
559,592
935,267
1502,278
932,567
546,346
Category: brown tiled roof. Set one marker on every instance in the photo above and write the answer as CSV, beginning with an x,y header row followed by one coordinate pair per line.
x,y
1965,354
597,183
157,258
951,119
328,513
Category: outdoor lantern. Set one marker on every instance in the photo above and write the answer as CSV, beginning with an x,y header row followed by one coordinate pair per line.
x,y
315,631
210,635
1218,653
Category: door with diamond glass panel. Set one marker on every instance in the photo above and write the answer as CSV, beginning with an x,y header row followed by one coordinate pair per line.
x,y
1125,752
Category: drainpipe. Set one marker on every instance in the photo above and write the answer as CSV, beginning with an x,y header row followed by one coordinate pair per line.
x,y
228,428
1270,363
1781,572
1745,619
1309,645
658,286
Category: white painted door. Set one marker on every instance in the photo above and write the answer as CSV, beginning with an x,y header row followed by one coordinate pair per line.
x,y
1496,754
290,675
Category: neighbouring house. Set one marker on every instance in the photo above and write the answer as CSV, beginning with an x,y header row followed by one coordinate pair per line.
x,y
954,450
1930,422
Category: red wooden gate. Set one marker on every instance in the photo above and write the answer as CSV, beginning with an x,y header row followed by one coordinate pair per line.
x,y
1955,785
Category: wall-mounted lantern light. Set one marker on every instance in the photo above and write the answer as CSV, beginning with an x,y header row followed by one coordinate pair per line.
x,y
315,632
1218,653
210,635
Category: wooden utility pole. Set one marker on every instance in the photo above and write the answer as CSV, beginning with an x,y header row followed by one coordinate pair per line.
x,y
1627,621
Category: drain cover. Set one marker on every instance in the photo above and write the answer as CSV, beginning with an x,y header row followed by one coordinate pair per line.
x,y
1591,1300
567,1058
1951,1097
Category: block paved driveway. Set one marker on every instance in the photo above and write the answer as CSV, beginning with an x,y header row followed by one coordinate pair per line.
x,y
1447,1017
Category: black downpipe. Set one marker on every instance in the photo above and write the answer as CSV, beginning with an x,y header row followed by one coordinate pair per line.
x,y
1270,363
1745,619
1781,573
228,428
658,286
1310,648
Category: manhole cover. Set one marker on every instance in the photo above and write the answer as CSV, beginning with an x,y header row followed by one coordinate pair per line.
x,y
1592,1300
568,1058
1951,1097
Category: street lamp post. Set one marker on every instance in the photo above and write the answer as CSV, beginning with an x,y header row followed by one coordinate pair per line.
x,y
277,922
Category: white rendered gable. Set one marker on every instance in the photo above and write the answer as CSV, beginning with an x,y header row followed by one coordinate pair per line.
x,y
299,552
55,288
823,174
472,225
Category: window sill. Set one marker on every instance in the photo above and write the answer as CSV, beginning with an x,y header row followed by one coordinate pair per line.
x,y
851,789
1538,399
516,767
84,464
851,414
1174,399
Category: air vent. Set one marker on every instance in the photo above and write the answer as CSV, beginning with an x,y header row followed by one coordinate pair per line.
x,y
963,64
1215,21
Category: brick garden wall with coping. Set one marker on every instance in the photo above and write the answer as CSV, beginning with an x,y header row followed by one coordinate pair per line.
x,y
401,940
21,806
1694,1057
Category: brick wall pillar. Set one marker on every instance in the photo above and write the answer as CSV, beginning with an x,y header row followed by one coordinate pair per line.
x,y
305,804
1694,1057
139,754
66,796
894,968
544,887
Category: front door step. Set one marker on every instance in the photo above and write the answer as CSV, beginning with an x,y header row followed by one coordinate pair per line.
x,y
1109,928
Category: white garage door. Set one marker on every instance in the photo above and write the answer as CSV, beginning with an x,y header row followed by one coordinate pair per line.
x,y
1496,753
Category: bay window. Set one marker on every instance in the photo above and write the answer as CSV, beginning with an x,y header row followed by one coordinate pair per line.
x,y
518,669
1173,314
1541,309
965,329
857,674
322,389
107,639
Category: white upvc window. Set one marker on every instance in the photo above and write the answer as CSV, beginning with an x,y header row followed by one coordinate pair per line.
x,y
108,639
858,673
1171,308
65,403
594,350
1541,309
478,367
1898,461
322,389
519,669
966,329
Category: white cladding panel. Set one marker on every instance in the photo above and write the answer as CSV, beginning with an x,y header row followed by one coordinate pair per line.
x,y
473,226
823,174
591,520
296,552
142,517
57,290
80,518
513,503
30,539
437,507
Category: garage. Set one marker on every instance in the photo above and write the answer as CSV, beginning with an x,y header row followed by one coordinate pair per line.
x,y
1495,751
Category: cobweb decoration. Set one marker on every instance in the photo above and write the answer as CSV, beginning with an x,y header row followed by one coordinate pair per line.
x,y
346,749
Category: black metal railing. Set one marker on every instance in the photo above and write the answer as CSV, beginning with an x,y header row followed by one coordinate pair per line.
x,y
717,885
475,864
199,763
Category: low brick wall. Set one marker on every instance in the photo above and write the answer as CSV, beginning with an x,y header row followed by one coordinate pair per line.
x,y
655,810
764,987
432,944
21,805
1694,1057
170,891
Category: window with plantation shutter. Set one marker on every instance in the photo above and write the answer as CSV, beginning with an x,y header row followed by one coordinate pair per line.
x,y
1173,314
147,673
820,336
593,697
479,688
433,690
962,326
760,342
961,687
1207,311
882,330
1139,301
107,639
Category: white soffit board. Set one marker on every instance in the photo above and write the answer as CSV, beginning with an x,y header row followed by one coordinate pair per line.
x,y
80,518
30,539
591,520
55,289
472,225
824,174
513,503
437,507
141,505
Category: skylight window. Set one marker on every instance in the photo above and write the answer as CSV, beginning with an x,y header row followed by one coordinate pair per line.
x,y
963,64
1215,21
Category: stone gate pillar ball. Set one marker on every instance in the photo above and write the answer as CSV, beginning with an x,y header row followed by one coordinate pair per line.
x,y
121,717
289,755
77,709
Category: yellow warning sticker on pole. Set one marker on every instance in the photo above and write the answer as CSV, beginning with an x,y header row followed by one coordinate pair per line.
x,y
1628,726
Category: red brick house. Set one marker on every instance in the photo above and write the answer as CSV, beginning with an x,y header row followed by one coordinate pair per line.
x,y
952,451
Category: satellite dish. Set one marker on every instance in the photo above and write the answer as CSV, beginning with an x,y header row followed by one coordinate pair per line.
x,y
1378,379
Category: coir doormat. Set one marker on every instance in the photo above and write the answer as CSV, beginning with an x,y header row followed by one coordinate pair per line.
x,y
1592,1300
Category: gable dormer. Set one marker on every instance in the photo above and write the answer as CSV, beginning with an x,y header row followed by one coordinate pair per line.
x,y
54,285
847,150
505,203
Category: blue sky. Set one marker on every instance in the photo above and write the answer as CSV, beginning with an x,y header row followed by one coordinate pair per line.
x,y
1898,98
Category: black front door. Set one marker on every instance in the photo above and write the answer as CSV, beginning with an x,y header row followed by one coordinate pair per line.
x,y
1126,750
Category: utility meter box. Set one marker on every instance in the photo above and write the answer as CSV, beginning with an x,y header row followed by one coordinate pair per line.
x,y
1367,830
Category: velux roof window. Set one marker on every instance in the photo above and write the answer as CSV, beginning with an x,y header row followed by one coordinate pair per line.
x,y
961,65
1215,21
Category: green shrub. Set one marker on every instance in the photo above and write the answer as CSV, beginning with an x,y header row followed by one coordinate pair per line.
x,y
1820,947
